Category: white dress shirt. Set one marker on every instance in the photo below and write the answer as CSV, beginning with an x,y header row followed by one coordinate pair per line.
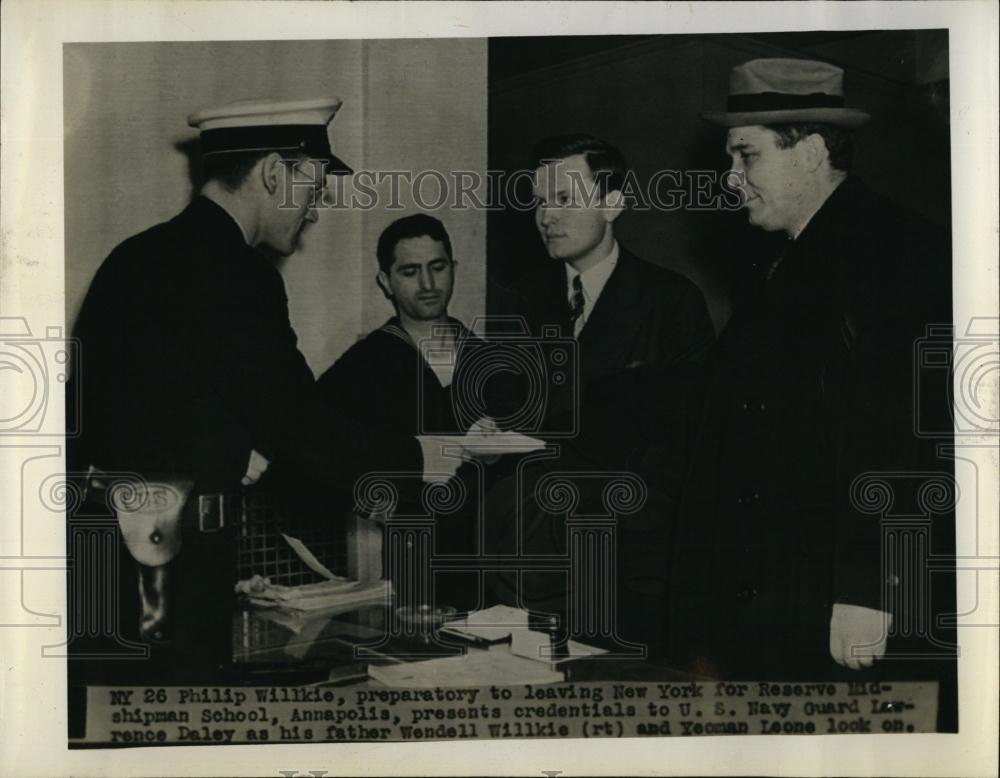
x,y
592,281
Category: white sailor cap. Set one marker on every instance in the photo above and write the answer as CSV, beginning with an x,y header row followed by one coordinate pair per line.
x,y
271,125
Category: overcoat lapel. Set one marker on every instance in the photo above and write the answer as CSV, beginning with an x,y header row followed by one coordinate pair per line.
x,y
606,338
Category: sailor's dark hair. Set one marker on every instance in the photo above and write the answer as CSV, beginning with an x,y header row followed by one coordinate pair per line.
x,y
415,226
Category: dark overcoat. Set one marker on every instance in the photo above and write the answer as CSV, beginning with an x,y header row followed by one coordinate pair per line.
x,y
811,388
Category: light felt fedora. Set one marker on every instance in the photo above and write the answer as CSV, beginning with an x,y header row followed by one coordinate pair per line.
x,y
782,91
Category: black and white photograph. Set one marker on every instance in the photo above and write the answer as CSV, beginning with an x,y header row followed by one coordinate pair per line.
x,y
390,386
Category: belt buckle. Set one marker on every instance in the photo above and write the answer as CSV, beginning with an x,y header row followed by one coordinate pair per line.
x,y
211,512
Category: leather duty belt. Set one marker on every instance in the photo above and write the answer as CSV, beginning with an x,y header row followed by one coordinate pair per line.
x,y
214,510
118,490
131,493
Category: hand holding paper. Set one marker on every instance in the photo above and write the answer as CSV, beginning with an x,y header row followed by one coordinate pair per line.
x,y
484,428
443,454
484,442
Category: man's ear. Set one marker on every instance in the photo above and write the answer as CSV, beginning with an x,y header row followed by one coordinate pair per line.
x,y
271,171
383,283
815,150
613,205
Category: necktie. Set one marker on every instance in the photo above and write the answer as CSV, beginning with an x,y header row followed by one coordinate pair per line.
x,y
576,306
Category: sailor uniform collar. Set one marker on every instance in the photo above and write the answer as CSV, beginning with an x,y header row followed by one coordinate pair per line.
x,y
395,328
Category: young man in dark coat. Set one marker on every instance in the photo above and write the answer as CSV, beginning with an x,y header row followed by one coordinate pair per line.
x,y
781,566
189,370
623,311
629,318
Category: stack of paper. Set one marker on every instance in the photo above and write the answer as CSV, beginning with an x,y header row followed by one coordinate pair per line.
x,y
477,668
493,624
334,595
501,622
318,597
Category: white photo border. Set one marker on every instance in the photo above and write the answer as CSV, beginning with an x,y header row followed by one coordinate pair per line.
x,y
33,711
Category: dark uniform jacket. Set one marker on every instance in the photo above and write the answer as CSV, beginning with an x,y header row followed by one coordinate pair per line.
x,y
812,387
187,362
386,385
390,389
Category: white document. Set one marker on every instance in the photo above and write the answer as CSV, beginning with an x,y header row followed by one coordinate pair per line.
x,y
310,560
477,668
494,623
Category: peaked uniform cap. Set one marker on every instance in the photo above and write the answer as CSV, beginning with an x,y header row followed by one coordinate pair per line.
x,y
783,91
296,126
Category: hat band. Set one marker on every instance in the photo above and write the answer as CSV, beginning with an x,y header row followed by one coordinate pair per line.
x,y
781,101
309,139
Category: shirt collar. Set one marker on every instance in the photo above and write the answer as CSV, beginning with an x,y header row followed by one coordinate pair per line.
x,y
594,278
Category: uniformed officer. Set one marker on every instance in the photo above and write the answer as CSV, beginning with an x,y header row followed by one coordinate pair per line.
x,y
189,366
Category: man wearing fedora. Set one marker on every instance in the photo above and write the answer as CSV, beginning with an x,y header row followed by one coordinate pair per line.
x,y
777,568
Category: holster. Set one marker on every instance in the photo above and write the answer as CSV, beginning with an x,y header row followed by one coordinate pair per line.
x,y
154,516
149,514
